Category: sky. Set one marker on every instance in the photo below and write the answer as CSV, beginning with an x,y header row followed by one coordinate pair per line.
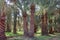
x,y
8,2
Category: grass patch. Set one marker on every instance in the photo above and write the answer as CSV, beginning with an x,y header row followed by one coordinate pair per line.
x,y
20,32
37,35
44,37
11,34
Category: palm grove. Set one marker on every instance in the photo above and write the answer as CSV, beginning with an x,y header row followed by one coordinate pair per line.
x,y
31,15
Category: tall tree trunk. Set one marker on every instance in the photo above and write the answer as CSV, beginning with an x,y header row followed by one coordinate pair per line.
x,y
8,28
31,32
2,26
58,29
51,29
55,27
25,24
44,23
15,20
2,22
8,23
35,28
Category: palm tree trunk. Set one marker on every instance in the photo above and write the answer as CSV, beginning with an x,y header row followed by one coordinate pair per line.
x,y
8,28
51,29
2,27
31,33
8,23
35,28
25,24
15,20
2,22
44,24
14,30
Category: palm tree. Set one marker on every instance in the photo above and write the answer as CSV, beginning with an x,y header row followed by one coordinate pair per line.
x,y
51,29
44,24
8,23
23,9
15,20
2,20
8,19
25,24
32,7
15,12
58,9
25,4
46,5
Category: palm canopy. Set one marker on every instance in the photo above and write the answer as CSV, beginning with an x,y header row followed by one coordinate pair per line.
x,y
49,5
3,6
22,4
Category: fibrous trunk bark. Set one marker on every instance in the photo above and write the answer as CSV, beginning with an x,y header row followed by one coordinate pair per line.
x,y
44,24
8,28
51,28
15,20
31,32
2,27
25,24
8,23
35,28
58,28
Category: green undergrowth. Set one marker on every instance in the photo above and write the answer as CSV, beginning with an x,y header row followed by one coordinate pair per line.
x,y
38,36
44,37
11,34
50,36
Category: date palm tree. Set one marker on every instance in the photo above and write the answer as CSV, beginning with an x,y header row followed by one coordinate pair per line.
x,y
8,19
2,20
19,4
46,5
